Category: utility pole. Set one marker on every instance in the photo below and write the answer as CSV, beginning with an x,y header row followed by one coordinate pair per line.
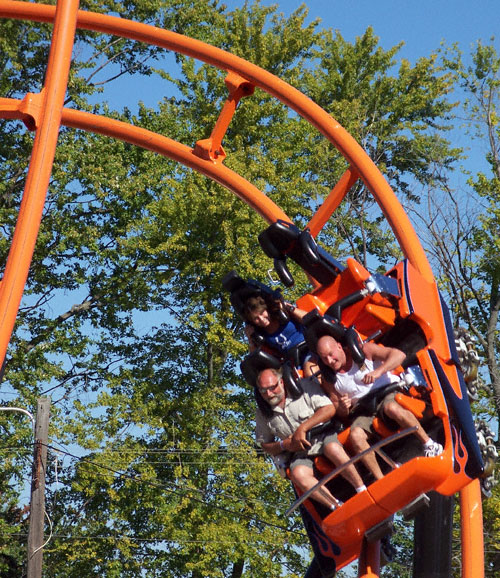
x,y
37,503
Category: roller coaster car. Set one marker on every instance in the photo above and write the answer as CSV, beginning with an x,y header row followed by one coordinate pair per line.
x,y
399,309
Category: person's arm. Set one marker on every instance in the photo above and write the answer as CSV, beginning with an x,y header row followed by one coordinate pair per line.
x,y
329,388
342,403
344,406
277,447
249,331
294,312
298,440
389,358
265,437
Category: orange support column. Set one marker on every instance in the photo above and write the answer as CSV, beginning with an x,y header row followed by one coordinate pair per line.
x,y
333,200
211,148
47,123
471,518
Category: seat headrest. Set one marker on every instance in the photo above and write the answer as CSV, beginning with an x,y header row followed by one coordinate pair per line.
x,y
242,290
283,239
317,325
258,360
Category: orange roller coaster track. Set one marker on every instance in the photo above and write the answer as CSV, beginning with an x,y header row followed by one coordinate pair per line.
x,y
44,113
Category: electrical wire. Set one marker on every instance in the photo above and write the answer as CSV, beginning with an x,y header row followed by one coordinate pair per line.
x,y
48,539
180,491
136,539
178,488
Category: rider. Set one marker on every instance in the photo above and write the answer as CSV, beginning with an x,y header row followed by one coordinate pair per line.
x,y
280,332
353,382
283,422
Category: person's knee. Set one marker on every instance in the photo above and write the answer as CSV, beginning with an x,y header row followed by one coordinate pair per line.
x,y
357,437
334,451
392,409
300,473
399,414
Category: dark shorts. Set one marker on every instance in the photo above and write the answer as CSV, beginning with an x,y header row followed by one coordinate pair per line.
x,y
305,459
365,421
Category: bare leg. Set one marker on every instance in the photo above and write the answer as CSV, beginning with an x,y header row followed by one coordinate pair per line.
x,y
337,455
304,477
359,442
405,418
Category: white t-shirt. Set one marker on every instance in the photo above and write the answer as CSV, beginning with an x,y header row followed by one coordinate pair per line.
x,y
350,383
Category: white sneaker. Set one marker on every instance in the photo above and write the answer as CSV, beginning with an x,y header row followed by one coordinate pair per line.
x,y
433,450
334,507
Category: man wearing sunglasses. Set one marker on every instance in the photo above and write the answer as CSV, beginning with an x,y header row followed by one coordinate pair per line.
x,y
282,426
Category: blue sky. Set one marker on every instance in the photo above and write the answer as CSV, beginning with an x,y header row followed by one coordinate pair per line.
x,y
421,24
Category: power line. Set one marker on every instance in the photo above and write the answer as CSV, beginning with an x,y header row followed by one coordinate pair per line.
x,y
179,490
22,449
168,453
125,537
137,478
165,451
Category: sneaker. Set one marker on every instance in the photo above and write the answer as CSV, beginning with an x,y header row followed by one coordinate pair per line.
x,y
336,506
433,450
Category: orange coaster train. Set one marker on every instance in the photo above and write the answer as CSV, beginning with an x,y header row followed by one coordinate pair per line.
x,y
353,305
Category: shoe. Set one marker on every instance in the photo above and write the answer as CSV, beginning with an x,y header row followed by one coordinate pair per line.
x,y
334,507
433,450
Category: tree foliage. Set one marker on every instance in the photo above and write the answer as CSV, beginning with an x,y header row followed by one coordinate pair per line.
x,y
124,322
461,228
464,222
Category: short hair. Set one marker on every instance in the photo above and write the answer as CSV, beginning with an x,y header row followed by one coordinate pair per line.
x,y
277,373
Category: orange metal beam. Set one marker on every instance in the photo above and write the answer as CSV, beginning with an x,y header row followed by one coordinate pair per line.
x,y
211,148
180,153
304,106
28,110
333,200
165,146
47,122
471,520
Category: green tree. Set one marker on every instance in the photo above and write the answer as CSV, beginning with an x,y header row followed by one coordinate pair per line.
x,y
399,113
463,239
465,223
124,321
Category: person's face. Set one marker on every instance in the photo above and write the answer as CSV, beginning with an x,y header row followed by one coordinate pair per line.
x,y
271,388
260,319
331,353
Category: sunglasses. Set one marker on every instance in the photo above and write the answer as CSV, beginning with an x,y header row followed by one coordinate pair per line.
x,y
270,388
